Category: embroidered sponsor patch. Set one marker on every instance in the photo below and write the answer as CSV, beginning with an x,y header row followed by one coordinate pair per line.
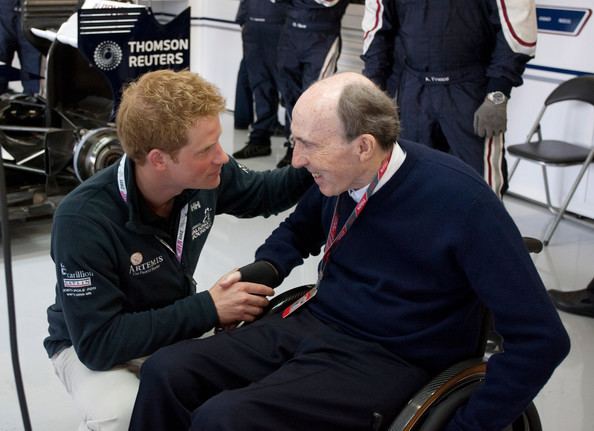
x,y
204,226
195,206
243,168
136,258
77,282
145,266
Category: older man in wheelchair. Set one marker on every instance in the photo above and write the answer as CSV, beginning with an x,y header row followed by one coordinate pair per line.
x,y
417,247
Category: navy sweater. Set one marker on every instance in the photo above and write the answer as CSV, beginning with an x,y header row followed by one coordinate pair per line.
x,y
430,246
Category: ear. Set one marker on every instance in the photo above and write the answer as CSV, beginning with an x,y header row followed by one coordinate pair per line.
x,y
366,147
157,159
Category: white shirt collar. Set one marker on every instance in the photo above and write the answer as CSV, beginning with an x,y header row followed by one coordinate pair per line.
x,y
398,156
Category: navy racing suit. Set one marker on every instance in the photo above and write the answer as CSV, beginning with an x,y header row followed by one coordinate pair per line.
x,y
261,23
444,57
308,48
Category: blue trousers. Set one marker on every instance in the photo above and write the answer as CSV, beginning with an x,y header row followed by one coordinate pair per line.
x,y
12,40
275,374
260,55
244,104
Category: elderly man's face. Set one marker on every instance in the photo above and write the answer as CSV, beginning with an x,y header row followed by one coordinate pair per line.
x,y
321,148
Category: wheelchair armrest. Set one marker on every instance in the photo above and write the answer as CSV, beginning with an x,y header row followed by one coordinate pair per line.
x,y
279,302
283,300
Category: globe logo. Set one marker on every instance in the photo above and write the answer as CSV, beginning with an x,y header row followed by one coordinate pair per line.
x,y
107,55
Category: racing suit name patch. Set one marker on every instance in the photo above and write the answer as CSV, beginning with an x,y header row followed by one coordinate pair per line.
x,y
439,79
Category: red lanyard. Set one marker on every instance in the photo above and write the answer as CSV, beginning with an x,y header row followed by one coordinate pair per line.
x,y
333,239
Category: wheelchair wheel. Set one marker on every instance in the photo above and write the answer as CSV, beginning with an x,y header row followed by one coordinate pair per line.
x,y
438,417
528,421
434,405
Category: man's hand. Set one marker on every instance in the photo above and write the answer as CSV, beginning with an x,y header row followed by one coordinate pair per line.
x,y
238,301
490,119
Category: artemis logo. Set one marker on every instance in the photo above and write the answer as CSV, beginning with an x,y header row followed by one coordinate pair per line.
x,y
195,205
107,55
146,267
136,258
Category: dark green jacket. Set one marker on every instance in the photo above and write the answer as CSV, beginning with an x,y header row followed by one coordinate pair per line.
x,y
121,292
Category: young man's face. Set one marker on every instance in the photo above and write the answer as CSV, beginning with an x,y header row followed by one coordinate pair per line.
x,y
198,164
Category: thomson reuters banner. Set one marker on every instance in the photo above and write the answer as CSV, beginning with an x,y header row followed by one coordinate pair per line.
x,y
126,42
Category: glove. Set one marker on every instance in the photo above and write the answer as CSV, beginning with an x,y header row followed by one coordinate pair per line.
x,y
490,119
261,271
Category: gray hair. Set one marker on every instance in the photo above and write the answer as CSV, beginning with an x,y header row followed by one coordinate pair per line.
x,y
364,108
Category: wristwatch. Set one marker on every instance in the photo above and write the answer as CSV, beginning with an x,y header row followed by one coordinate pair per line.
x,y
496,97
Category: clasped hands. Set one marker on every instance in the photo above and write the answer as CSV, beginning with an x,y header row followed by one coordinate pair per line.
x,y
238,301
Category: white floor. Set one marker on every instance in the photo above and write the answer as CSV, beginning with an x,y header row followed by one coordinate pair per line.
x,y
567,263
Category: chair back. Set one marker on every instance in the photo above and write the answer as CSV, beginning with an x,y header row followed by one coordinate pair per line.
x,y
580,88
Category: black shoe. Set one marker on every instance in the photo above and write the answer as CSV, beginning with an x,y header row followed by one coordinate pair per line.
x,y
241,126
286,160
577,302
252,150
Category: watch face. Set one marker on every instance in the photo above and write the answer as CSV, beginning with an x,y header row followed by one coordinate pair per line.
x,y
497,97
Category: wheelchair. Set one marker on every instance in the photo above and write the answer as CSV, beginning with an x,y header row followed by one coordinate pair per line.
x,y
431,408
